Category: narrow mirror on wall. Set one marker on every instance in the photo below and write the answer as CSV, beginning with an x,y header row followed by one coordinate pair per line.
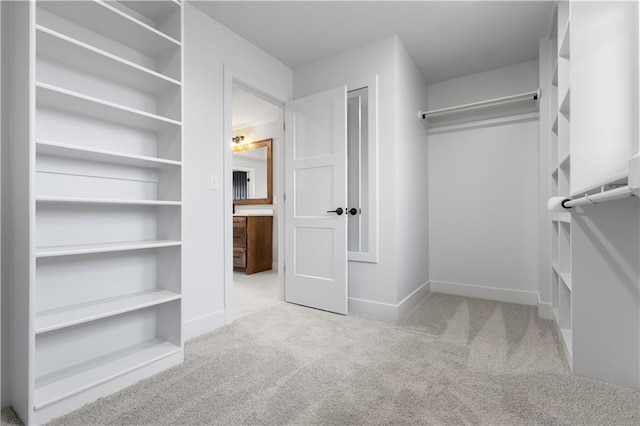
x,y
357,169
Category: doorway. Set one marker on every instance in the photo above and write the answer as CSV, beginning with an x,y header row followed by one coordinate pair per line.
x,y
256,140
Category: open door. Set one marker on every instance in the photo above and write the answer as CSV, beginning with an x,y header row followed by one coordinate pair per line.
x,y
316,201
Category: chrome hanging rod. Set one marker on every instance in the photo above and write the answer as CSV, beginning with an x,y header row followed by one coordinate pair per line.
x,y
534,95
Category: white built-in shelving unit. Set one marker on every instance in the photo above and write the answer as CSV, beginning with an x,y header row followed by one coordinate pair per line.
x,y
595,250
96,196
560,136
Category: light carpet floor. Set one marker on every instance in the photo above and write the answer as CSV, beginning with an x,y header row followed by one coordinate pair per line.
x,y
454,360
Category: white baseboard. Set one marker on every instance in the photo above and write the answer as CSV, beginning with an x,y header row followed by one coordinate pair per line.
x,y
204,324
389,311
545,309
490,293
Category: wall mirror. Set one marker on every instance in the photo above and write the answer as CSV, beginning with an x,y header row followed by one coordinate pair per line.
x,y
252,172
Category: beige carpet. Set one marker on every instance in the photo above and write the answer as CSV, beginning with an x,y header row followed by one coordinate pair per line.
x,y
453,361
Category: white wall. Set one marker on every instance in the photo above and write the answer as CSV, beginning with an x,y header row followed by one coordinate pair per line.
x,y
371,286
256,133
374,288
483,186
412,195
210,49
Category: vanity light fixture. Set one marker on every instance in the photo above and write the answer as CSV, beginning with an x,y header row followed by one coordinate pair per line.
x,y
238,139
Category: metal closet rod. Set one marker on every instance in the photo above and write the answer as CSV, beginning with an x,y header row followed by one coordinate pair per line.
x,y
534,95
612,194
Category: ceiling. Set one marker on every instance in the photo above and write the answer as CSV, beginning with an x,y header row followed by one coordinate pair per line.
x,y
446,39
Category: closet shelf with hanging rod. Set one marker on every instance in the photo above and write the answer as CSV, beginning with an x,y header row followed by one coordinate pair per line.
x,y
524,105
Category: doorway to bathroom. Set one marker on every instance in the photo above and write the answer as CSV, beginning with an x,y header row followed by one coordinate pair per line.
x,y
257,123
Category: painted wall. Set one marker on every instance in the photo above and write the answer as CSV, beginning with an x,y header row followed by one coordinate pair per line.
x,y
374,288
483,186
256,133
209,49
412,194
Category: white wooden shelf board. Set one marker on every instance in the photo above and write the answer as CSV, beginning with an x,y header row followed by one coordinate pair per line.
x,y
72,250
566,279
567,340
564,217
73,200
78,152
554,77
565,105
565,162
57,386
76,103
554,174
153,10
56,319
114,24
82,56
556,267
564,51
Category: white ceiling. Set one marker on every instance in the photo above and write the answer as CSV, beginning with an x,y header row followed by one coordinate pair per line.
x,y
446,39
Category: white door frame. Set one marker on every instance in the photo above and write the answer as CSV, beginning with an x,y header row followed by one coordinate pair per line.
x,y
229,77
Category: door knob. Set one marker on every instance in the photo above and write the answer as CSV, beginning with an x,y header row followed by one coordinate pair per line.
x,y
353,211
337,211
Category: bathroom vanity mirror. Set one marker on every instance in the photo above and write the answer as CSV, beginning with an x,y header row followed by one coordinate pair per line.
x,y
252,172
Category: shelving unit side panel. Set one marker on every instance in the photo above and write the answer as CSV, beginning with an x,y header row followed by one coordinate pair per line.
x,y
604,90
18,84
606,291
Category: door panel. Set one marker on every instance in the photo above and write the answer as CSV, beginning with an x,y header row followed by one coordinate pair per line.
x,y
316,182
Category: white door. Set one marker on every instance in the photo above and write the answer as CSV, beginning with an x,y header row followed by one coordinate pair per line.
x,y
316,201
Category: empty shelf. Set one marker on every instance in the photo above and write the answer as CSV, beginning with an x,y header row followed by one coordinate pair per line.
x,y
59,149
71,250
76,103
85,57
114,24
566,279
55,319
74,200
62,384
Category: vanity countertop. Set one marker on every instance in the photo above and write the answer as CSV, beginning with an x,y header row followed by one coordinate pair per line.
x,y
257,212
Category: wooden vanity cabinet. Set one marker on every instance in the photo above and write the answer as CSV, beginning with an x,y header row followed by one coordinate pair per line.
x,y
252,243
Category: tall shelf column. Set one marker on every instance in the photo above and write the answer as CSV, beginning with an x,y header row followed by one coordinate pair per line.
x,y
561,284
98,284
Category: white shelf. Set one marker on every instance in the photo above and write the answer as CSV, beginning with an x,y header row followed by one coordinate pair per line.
x,y
56,319
65,100
564,51
82,56
567,341
565,104
112,23
57,386
564,217
72,250
554,126
153,10
74,200
554,174
565,163
566,279
556,267
554,77
78,152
